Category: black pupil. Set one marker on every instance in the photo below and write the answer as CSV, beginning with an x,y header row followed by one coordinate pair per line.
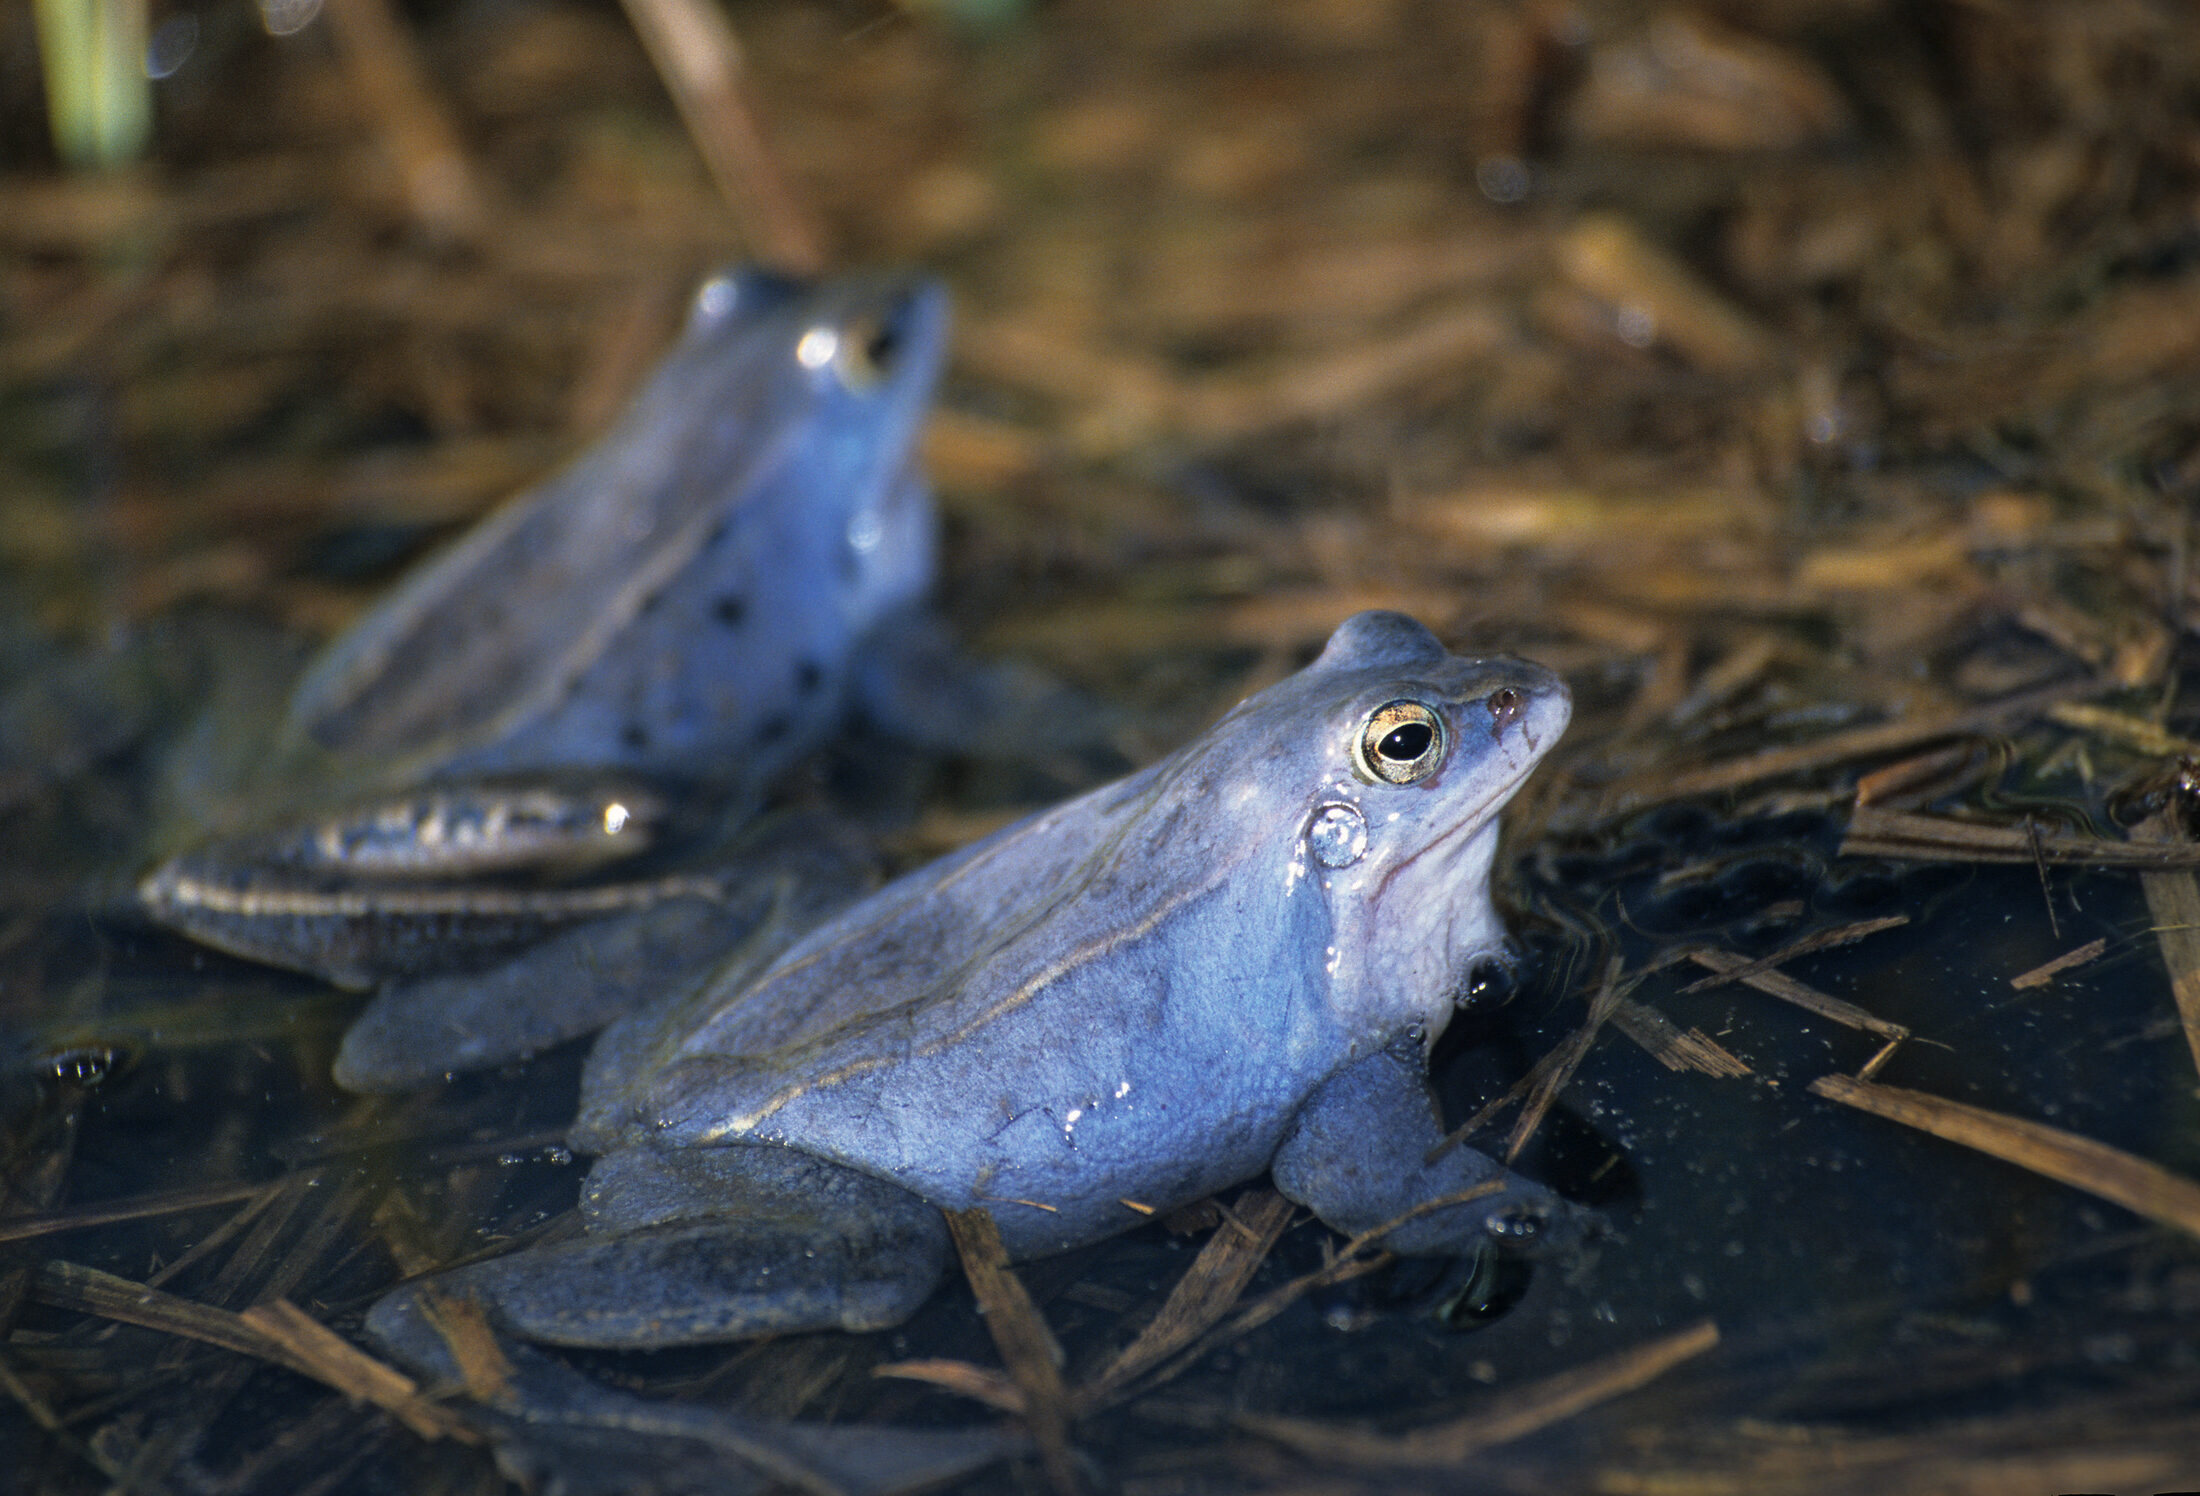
x,y
1407,743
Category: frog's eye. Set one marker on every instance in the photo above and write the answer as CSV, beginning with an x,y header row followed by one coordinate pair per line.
x,y
1400,742
865,354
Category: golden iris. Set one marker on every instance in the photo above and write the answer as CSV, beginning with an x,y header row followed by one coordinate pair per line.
x,y
1400,742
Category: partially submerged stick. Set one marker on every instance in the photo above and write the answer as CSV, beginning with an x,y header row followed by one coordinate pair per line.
x,y
2110,1173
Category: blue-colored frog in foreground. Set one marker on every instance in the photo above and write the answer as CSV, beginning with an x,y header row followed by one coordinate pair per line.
x,y
1233,961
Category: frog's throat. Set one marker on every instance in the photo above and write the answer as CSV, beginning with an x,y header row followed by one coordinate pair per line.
x,y
1482,817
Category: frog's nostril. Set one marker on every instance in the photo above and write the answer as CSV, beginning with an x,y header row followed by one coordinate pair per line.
x,y
864,350
1505,704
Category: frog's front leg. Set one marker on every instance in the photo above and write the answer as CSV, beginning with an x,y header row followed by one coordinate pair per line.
x,y
910,680
703,1244
1357,1157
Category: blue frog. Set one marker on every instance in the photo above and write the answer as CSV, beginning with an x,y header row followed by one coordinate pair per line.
x,y
1233,961
687,598
515,793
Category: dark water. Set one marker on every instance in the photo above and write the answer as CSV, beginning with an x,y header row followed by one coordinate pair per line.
x,y
1865,1279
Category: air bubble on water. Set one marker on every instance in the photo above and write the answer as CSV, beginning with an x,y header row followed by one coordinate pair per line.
x,y
1503,179
1337,835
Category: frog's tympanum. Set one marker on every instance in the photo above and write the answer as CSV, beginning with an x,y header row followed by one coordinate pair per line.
x,y
515,745
1233,961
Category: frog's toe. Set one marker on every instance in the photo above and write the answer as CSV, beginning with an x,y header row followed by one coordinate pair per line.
x,y
1534,1222
401,1324
1519,1218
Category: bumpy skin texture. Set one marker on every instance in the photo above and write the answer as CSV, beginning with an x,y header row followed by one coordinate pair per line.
x,y
1235,957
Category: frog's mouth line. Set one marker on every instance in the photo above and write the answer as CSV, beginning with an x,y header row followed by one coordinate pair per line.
x,y
1482,816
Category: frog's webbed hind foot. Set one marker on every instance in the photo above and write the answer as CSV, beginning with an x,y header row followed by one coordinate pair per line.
x,y
712,1244
560,1433
694,1281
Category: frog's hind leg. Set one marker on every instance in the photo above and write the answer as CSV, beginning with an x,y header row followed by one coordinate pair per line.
x,y
422,1029
704,1244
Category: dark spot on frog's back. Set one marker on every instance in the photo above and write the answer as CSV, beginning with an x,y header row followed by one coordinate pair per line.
x,y
731,609
808,677
772,729
635,736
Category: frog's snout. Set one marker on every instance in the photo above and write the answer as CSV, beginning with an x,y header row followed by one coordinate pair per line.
x,y
1527,707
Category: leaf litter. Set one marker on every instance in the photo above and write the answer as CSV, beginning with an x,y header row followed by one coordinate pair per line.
x,y
1812,384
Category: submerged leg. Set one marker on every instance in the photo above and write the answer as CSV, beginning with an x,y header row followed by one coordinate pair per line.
x,y
1357,1157
709,1244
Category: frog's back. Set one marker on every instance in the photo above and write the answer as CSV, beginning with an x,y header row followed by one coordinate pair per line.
x,y
687,589
1043,970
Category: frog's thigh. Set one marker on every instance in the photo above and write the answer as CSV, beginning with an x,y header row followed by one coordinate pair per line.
x,y
1356,1158
719,1243
421,1029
